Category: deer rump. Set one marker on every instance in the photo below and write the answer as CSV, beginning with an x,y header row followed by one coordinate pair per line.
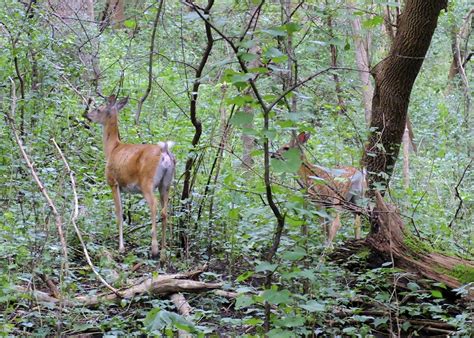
x,y
161,162
334,187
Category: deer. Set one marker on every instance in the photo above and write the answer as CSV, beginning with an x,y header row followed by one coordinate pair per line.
x,y
135,168
338,188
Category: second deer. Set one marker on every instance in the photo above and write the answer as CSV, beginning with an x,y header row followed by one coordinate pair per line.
x,y
135,168
339,188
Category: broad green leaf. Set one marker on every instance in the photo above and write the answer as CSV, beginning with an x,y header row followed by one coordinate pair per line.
x,y
277,296
290,163
292,27
273,52
436,294
313,306
266,266
248,56
380,321
130,23
372,22
275,31
241,118
243,301
294,255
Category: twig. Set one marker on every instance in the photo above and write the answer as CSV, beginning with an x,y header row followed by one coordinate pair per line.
x,y
458,195
74,216
59,222
150,64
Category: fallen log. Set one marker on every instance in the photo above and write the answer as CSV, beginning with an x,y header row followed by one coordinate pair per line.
x,y
160,285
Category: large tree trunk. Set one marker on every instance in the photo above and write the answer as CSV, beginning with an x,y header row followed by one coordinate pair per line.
x,y
394,78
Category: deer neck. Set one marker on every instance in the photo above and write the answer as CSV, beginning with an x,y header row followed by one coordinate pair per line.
x,y
111,137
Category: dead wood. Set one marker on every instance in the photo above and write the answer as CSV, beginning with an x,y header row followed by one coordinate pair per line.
x,y
388,237
158,285
183,308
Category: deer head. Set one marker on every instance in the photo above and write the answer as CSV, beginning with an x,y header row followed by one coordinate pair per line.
x,y
107,110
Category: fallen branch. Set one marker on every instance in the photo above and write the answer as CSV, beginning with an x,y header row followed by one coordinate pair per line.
x,y
184,309
161,285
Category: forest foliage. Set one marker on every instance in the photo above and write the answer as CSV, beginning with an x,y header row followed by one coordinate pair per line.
x,y
300,57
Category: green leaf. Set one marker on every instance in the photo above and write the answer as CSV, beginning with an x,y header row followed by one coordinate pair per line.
x,y
240,100
436,294
294,255
266,266
313,306
248,56
372,22
350,330
380,321
276,31
291,321
292,27
290,164
259,70
273,52
130,23
253,321
244,276
279,333
413,286
157,320
277,297
243,301
241,118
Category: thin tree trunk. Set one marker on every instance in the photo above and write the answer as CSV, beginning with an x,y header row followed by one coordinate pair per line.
x,y
185,195
406,158
362,49
337,81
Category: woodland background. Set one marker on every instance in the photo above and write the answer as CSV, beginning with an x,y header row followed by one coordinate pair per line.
x,y
177,63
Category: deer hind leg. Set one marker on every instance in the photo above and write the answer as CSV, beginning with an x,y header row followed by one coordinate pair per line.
x,y
357,227
332,229
164,195
118,215
151,200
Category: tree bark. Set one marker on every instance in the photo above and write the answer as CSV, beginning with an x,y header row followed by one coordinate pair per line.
x,y
394,78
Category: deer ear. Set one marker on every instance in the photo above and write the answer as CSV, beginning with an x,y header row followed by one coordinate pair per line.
x,y
111,99
303,137
122,103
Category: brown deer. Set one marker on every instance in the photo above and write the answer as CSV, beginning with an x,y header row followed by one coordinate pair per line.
x,y
339,188
135,168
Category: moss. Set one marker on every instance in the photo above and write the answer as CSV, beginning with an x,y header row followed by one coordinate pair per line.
x,y
463,273
416,245
363,254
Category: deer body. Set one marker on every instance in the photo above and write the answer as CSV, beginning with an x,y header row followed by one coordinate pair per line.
x,y
135,168
341,187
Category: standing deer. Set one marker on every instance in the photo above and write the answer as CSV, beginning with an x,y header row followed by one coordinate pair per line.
x,y
135,168
340,187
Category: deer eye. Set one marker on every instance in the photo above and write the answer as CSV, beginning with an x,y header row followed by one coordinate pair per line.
x,y
286,148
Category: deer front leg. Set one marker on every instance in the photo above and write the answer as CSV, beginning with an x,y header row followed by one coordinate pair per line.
x,y
118,215
151,199
333,228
